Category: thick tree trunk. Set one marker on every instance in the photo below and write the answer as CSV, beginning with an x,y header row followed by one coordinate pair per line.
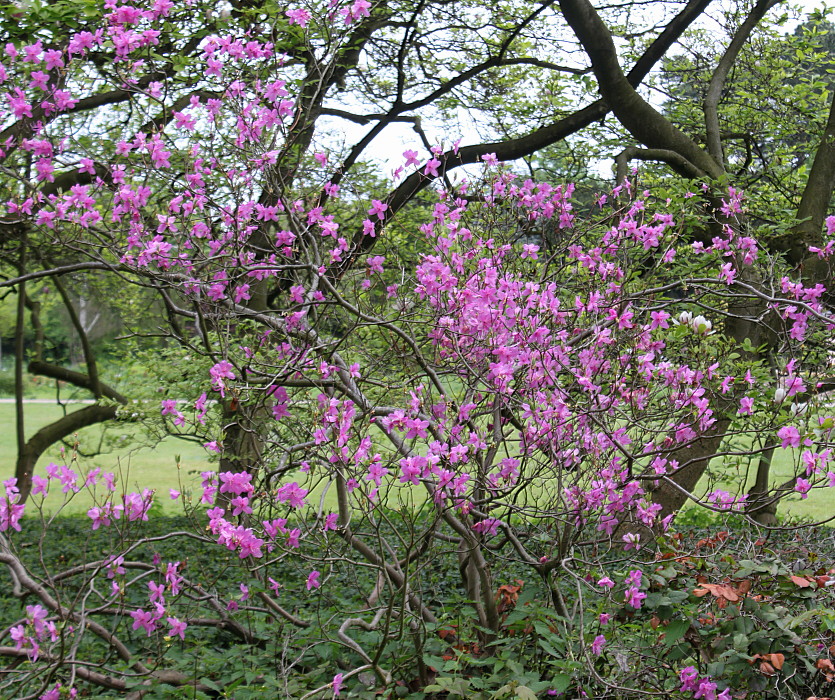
x,y
759,506
47,436
672,492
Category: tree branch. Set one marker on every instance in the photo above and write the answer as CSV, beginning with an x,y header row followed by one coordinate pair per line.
x,y
720,74
639,117
522,146
675,160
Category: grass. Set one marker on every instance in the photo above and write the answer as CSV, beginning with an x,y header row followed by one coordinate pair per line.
x,y
818,505
136,464
176,464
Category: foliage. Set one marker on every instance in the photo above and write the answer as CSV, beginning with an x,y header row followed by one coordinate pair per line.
x,y
761,625
769,156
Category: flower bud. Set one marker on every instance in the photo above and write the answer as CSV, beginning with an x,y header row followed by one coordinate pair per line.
x,y
701,325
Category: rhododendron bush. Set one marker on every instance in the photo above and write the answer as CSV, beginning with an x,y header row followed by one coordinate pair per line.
x,y
519,383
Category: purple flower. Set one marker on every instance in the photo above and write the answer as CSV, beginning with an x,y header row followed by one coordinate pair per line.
x,y
789,435
143,620
634,597
299,16
313,580
178,629
219,373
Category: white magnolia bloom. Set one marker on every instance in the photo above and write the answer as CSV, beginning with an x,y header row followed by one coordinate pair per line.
x,y
685,317
701,325
798,409
780,394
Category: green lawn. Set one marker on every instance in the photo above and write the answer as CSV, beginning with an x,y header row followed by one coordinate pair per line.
x,y
818,505
146,466
137,466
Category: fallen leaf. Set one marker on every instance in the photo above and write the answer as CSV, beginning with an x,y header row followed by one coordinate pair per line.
x,y
776,660
825,665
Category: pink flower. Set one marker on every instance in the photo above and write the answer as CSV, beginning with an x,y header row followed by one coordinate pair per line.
x,y
143,620
39,485
431,168
634,597
411,158
219,373
178,629
530,251
790,436
313,580
631,540
378,209
157,591
292,494
299,16
802,486
375,264
689,679
337,685
598,644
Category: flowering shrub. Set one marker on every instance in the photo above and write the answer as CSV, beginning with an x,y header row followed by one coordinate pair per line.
x,y
532,390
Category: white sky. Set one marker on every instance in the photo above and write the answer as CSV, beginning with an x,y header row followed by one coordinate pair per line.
x,y
388,147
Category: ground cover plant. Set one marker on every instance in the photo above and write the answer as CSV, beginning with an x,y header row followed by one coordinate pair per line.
x,y
451,431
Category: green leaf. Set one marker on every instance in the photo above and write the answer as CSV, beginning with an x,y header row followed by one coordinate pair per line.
x,y
435,662
525,693
675,631
210,684
740,641
560,682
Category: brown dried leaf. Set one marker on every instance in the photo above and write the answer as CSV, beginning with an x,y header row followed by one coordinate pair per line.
x,y
767,668
825,665
776,660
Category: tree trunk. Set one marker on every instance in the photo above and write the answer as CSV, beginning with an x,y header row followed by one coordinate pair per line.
x,y
47,436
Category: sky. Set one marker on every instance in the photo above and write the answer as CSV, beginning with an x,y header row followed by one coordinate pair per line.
x,y
387,149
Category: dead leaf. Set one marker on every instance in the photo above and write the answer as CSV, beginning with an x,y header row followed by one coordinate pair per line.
x,y
776,660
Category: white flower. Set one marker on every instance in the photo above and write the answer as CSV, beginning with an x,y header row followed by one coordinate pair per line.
x,y
701,325
685,317
798,409
780,394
